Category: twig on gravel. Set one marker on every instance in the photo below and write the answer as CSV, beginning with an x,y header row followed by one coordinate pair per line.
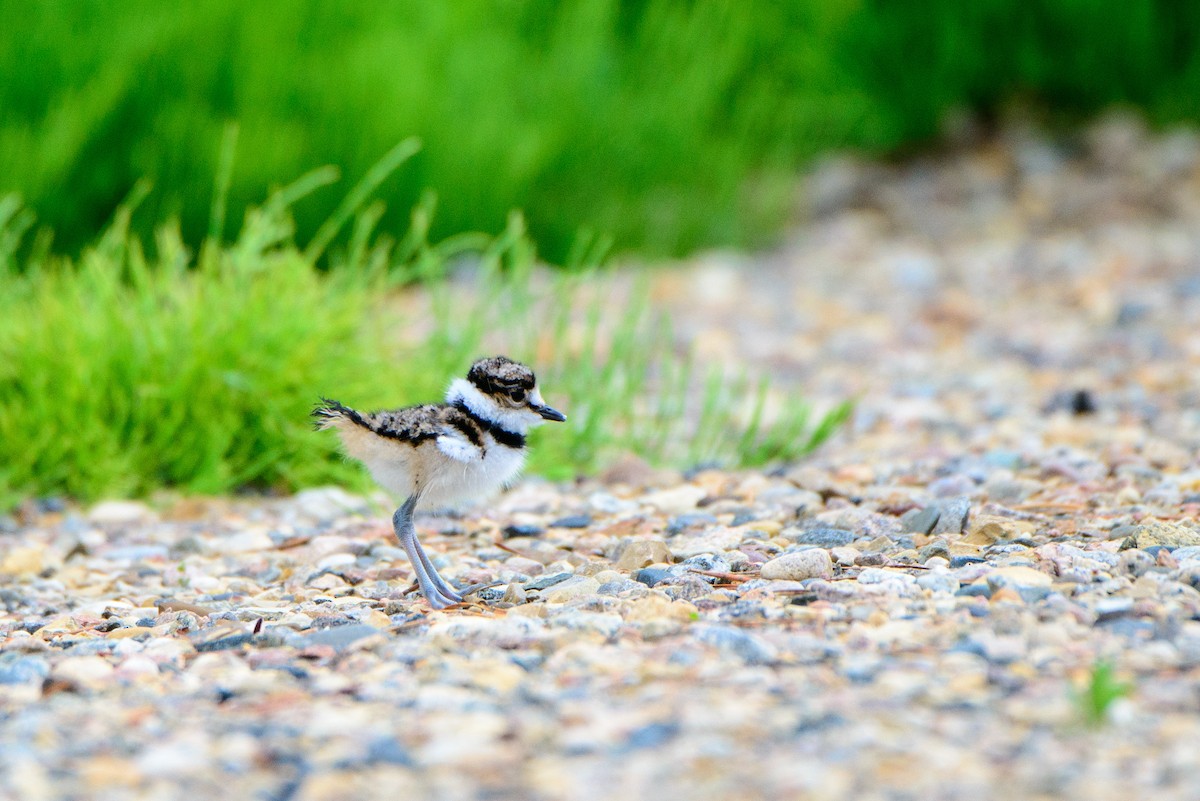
x,y
734,577
1061,507
513,551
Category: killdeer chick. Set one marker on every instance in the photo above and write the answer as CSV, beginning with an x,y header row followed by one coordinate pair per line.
x,y
439,454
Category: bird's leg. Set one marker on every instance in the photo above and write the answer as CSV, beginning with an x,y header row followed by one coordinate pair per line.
x,y
433,587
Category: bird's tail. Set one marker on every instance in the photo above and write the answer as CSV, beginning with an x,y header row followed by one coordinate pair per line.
x,y
328,413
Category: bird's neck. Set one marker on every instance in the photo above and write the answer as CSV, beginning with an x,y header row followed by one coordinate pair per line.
x,y
464,394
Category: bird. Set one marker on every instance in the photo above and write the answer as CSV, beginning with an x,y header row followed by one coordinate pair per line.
x,y
441,454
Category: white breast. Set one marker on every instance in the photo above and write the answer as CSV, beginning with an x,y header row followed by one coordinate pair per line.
x,y
451,482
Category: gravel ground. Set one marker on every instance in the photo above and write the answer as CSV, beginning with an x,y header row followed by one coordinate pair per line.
x,y
917,612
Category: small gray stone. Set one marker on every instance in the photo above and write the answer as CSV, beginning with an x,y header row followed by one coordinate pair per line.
x,y
937,548
572,521
753,650
542,582
623,588
1135,562
522,530
938,582
329,503
742,518
681,523
703,561
953,517
652,576
921,521
688,587
823,537
22,669
1112,608
341,637
1189,552
387,750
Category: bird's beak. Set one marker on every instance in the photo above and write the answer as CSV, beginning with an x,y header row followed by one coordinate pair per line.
x,y
538,406
548,413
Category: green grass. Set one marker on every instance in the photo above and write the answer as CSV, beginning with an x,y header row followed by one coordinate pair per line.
x,y
651,124
1095,698
133,368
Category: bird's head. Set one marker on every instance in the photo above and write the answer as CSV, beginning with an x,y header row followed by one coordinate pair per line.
x,y
504,392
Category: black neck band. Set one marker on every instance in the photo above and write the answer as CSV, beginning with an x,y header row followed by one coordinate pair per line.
x,y
510,439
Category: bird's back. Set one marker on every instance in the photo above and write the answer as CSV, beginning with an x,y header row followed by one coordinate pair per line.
x,y
400,449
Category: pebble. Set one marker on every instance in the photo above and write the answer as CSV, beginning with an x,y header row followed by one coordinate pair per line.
x,y
953,516
921,521
822,537
652,576
329,503
570,589
681,523
118,512
799,565
572,521
636,554
547,581
1164,534
15,669
749,648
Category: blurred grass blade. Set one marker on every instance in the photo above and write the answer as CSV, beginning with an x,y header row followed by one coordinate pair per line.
x,y
359,195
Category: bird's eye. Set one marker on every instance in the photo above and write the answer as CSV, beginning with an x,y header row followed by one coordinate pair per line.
x,y
517,394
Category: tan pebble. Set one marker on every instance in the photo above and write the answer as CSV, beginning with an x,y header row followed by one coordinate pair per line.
x,y
718,538
378,619
126,633
109,771
880,543
1023,576
59,625
963,549
514,594
1007,595
176,605
327,581
528,610
674,501
640,553
855,473
768,527
605,576
569,590
654,607
23,562
137,666
529,567
497,675
92,672
799,565
1128,496
844,555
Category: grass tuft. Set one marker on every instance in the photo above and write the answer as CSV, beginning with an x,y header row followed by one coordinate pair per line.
x,y
133,368
1095,698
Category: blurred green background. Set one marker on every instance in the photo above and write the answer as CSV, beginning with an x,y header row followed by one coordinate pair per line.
x,y
668,126
176,336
